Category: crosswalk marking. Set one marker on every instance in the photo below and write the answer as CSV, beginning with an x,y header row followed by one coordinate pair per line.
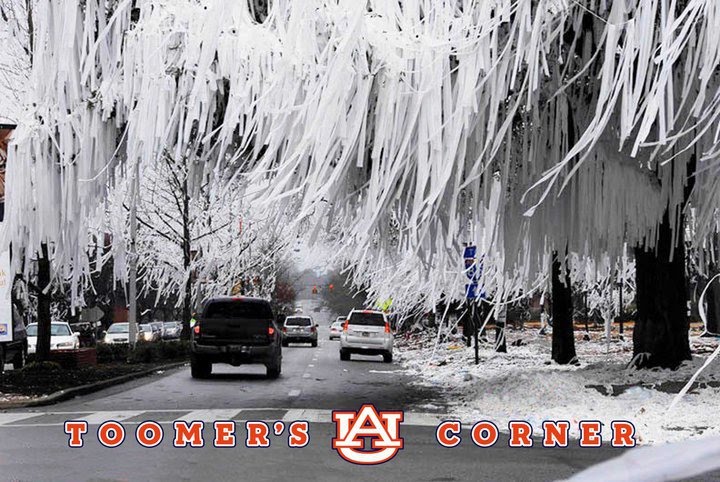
x,y
130,417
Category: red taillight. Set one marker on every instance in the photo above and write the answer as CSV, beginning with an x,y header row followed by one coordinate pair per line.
x,y
196,329
284,329
387,327
271,331
312,329
345,326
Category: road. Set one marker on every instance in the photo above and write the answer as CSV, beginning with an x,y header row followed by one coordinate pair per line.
x,y
33,446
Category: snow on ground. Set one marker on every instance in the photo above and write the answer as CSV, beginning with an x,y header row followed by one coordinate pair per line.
x,y
524,385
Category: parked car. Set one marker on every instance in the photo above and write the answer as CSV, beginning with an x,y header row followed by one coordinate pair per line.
x,y
173,330
149,333
366,332
239,330
61,337
15,351
159,327
336,328
299,329
117,333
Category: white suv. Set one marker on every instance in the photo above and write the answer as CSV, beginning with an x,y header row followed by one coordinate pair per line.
x,y
366,332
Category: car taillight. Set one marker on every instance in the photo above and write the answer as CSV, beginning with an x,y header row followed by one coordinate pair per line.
x,y
345,326
271,331
312,329
196,329
387,327
284,329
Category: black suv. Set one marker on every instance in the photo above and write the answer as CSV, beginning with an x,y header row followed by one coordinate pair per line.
x,y
237,331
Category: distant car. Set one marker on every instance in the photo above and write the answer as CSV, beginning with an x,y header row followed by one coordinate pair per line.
x,y
159,327
299,329
173,329
61,337
336,328
238,330
118,333
366,332
149,333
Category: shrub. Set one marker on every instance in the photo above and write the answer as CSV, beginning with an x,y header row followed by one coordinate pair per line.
x,y
112,353
47,366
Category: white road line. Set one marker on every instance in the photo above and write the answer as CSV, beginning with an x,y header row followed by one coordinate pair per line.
x,y
210,415
294,393
311,366
8,418
306,375
100,417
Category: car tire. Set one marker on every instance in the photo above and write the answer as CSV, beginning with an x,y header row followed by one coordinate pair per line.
x,y
387,357
20,359
344,355
284,343
200,368
273,371
314,344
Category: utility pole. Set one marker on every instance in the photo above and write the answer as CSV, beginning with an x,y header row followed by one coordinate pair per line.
x,y
132,305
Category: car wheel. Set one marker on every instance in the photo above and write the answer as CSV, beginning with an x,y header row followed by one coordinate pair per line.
x,y
284,343
387,357
200,368
314,343
344,355
20,360
273,371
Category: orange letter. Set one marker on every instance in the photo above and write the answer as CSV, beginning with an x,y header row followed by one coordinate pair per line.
x,y
441,434
155,437
111,434
188,434
257,433
484,434
623,433
224,433
555,433
589,431
299,434
520,433
75,430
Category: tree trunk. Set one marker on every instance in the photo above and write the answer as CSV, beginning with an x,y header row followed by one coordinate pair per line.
x,y
42,352
563,337
660,337
187,253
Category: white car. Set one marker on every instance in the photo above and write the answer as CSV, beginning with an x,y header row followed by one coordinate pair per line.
x,y
117,333
336,328
61,337
366,332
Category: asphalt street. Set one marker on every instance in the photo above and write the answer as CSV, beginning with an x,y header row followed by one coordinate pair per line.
x,y
33,445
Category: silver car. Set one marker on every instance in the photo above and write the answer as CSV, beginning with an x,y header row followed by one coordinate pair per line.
x,y
366,332
299,329
336,328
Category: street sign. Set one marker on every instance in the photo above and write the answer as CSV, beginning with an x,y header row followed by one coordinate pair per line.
x,y
470,252
471,291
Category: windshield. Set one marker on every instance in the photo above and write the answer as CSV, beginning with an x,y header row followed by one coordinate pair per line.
x,y
118,328
170,324
238,309
56,329
367,318
297,321
337,324
145,328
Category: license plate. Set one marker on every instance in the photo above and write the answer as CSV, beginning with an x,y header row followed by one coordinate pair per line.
x,y
365,333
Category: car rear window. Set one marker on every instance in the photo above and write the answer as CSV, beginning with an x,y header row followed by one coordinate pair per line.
x,y
238,309
367,319
297,321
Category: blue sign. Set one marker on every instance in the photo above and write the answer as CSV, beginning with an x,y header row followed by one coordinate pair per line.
x,y
471,291
470,252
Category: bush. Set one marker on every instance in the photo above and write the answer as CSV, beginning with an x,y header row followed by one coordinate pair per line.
x,y
112,353
47,366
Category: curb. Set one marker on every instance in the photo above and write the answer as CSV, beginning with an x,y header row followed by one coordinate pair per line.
x,y
68,393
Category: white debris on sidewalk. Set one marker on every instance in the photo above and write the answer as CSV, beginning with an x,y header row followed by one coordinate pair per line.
x,y
524,384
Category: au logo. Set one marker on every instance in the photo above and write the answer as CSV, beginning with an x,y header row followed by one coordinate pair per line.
x,y
382,428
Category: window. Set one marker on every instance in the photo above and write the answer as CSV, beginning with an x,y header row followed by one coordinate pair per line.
x,y
238,309
56,329
298,321
367,318
118,328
